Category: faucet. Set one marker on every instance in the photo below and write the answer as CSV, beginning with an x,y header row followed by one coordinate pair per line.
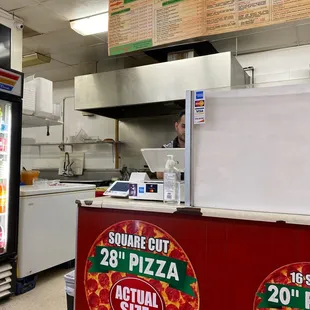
x,y
67,168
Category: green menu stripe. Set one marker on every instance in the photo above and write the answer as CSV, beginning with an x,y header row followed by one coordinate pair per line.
x,y
120,12
279,296
131,47
171,2
120,261
129,1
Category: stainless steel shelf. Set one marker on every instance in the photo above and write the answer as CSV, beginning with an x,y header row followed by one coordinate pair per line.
x,y
36,121
71,144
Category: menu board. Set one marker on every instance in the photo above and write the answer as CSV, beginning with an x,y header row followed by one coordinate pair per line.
x,y
177,20
140,24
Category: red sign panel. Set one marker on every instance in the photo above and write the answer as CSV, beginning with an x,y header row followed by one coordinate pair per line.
x,y
136,265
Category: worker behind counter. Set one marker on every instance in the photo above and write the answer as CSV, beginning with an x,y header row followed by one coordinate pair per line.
x,y
178,142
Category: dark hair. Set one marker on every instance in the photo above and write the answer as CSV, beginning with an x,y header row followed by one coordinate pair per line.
x,y
181,114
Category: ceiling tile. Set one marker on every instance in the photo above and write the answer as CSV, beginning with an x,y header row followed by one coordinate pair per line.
x,y
74,9
28,32
83,55
62,41
53,65
67,73
102,36
10,5
27,51
41,19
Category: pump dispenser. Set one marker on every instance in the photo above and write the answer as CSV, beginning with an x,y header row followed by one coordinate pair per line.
x,y
171,182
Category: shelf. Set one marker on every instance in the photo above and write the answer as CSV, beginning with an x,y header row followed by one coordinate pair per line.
x,y
71,144
35,121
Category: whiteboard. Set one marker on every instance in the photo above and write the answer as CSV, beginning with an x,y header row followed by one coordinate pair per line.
x,y
253,153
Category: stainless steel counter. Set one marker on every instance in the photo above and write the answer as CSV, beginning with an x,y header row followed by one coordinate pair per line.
x,y
97,177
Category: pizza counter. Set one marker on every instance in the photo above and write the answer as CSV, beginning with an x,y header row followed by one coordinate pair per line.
x,y
146,256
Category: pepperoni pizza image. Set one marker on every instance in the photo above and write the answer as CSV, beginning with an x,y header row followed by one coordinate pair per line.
x,y
286,288
138,246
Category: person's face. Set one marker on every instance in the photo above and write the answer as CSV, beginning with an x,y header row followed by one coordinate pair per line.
x,y
180,128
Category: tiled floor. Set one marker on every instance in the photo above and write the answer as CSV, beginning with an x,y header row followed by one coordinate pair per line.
x,y
49,294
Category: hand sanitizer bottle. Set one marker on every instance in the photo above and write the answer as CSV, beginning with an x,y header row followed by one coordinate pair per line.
x,y
171,182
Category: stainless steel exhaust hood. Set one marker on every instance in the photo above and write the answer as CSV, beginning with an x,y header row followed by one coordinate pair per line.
x,y
154,89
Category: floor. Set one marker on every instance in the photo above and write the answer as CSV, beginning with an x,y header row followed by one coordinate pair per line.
x,y
49,294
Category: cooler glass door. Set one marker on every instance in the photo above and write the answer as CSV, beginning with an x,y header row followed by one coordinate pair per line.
x,y
5,157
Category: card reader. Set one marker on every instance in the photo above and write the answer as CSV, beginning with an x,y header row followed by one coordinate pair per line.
x,y
142,188
118,189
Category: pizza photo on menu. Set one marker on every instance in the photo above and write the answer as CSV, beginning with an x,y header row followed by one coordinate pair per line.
x,y
135,265
287,288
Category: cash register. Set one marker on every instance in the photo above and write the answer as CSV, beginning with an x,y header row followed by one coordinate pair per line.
x,y
141,187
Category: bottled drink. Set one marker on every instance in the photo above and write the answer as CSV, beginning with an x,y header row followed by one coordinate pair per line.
x,y
2,205
2,240
2,190
2,198
3,144
3,125
171,182
1,117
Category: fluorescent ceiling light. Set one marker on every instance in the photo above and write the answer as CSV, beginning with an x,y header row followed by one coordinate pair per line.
x,y
91,25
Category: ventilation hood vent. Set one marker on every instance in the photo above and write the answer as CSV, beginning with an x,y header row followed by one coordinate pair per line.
x,y
154,90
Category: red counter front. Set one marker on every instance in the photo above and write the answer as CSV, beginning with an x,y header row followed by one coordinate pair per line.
x,y
229,264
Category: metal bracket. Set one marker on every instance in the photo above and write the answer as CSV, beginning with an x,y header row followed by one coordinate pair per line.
x,y
246,70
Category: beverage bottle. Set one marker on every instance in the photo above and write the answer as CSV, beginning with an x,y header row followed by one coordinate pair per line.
x,y
2,240
2,198
3,144
2,190
171,182
1,118
2,205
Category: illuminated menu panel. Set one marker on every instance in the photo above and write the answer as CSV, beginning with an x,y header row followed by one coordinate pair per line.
x,y
177,20
130,25
140,24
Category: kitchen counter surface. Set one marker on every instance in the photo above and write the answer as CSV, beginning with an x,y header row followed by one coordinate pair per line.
x,y
30,190
160,207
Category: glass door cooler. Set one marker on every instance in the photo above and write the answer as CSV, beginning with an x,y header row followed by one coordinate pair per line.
x,y
11,92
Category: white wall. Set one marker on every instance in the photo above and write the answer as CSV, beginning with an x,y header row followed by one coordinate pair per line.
x,y
279,65
96,157
17,39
